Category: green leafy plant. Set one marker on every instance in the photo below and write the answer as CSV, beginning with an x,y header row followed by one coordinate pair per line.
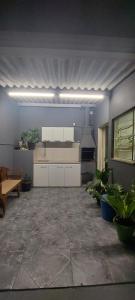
x,y
30,136
132,190
124,206
97,187
111,189
103,175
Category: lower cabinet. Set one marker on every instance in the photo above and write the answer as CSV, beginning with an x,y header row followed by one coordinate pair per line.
x,y
67,175
40,175
72,175
56,175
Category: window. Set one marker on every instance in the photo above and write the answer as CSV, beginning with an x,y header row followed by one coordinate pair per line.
x,y
124,137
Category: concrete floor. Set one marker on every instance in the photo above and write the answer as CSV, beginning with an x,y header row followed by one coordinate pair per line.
x,y
55,237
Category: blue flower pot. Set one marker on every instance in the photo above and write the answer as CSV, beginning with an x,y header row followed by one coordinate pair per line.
x,y
107,211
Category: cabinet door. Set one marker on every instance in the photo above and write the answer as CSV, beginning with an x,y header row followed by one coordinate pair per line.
x,y
68,134
43,133
46,133
57,134
52,134
72,175
40,175
60,175
56,175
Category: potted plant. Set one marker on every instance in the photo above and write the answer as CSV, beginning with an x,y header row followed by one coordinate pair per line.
x,y
26,183
124,206
97,187
30,138
108,213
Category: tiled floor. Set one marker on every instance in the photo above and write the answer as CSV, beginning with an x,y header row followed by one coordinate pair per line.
x,y
54,237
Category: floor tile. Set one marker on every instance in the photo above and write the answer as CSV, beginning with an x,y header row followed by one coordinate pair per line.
x,y
24,280
89,269
122,267
53,237
13,240
9,266
48,269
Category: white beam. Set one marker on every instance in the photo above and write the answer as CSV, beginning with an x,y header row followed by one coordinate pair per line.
x,y
63,53
55,105
66,41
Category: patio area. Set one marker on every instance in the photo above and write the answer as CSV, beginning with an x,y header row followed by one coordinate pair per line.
x,y
55,237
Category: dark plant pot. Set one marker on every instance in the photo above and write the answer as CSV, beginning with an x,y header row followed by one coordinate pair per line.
x,y
17,147
31,146
125,233
98,202
107,211
26,186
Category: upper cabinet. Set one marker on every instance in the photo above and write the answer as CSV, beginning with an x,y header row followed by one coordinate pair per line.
x,y
57,133
68,134
61,134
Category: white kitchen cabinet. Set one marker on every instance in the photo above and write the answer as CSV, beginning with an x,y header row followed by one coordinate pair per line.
x,y
40,173
68,134
45,133
56,175
61,134
72,175
58,134
52,134
67,175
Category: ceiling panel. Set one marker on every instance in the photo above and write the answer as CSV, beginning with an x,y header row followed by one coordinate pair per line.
x,y
64,61
52,71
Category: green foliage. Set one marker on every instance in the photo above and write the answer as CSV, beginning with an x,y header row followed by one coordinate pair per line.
x,y
123,203
132,190
103,175
30,136
97,187
111,189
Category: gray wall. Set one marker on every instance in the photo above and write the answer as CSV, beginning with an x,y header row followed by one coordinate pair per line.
x,y
16,119
37,117
23,162
8,129
122,99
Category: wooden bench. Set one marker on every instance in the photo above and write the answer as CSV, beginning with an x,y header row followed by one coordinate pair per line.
x,y
8,182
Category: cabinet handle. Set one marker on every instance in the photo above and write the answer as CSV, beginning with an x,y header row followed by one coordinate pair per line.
x,y
43,167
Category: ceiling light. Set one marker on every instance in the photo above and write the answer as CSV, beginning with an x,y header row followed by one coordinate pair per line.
x,y
82,96
31,94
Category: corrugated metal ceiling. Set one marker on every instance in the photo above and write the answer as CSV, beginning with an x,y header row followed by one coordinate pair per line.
x,y
67,72
39,61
